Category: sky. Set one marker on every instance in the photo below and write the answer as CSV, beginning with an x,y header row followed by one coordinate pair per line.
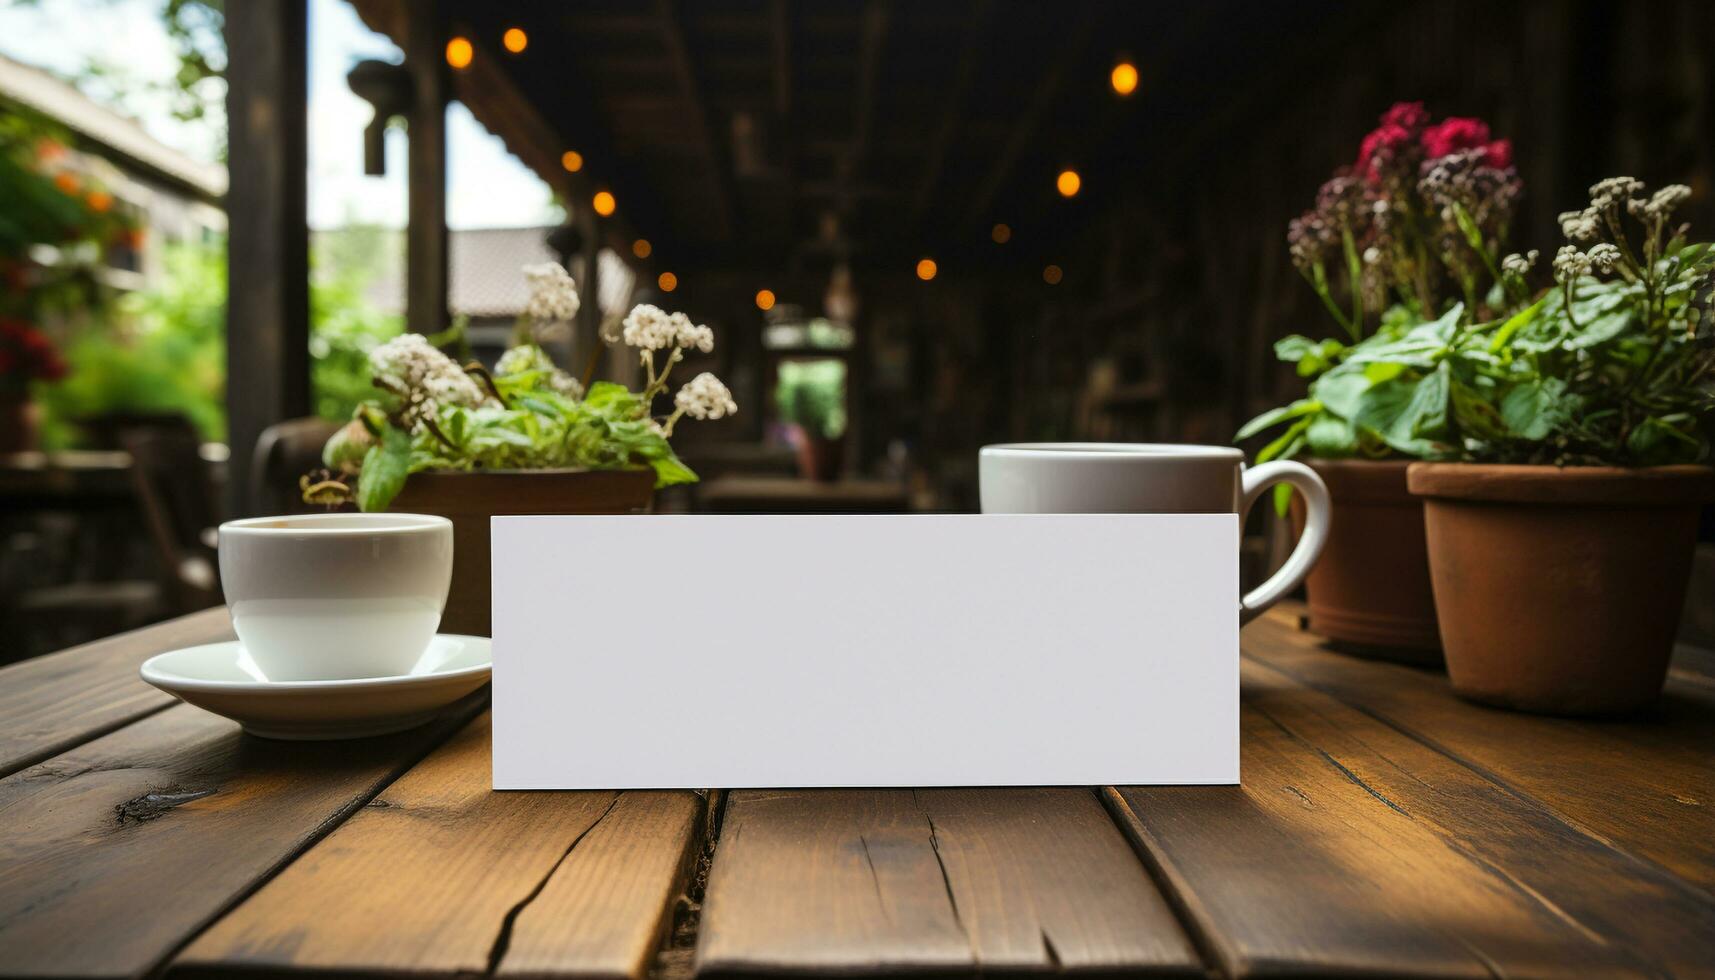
x,y
487,187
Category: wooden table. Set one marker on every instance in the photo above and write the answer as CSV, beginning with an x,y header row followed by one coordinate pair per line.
x,y
1383,828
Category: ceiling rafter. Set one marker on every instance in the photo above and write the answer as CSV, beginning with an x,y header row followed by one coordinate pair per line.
x,y
679,54
875,18
964,74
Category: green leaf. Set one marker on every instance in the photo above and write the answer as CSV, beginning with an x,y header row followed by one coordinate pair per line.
x,y
1533,409
1286,445
613,399
1282,494
1409,415
1275,416
1339,390
1331,437
385,467
670,470
1514,324
346,447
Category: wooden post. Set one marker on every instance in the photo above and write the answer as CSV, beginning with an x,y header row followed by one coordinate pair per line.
x,y
268,249
426,227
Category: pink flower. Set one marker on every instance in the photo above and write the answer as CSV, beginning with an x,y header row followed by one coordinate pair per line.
x,y
1454,134
1406,115
1499,154
1388,139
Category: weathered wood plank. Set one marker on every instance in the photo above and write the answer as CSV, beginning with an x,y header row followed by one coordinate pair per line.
x,y
931,880
1352,847
440,876
118,851
53,703
1646,785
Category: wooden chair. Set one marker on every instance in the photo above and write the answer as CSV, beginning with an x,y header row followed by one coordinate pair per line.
x,y
179,514
284,452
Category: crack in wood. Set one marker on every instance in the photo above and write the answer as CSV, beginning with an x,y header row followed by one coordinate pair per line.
x,y
503,940
154,804
1051,953
875,878
946,879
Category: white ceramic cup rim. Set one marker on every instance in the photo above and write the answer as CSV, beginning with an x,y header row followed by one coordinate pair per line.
x,y
333,524
1111,451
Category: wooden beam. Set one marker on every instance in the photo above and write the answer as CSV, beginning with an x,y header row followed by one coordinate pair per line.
x,y
1024,130
268,246
780,26
963,74
426,222
679,56
875,15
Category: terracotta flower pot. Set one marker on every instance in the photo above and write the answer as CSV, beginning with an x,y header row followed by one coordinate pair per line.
x,y
820,459
1559,589
470,499
1370,593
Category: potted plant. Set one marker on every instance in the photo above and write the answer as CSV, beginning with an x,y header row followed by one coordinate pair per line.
x,y
525,438
1403,242
1561,523
811,397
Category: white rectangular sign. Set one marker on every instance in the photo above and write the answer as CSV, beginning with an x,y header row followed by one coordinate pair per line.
x,y
925,650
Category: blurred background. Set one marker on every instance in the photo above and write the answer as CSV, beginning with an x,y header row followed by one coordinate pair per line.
x,y
916,228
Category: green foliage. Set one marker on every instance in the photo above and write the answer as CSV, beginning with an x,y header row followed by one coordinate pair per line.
x,y
344,324
163,352
812,395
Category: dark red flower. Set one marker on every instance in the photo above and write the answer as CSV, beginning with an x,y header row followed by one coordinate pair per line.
x,y
1406,115
1499,154
1388,139
1454,134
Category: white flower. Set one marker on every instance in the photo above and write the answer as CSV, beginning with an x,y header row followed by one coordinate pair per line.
x,y
1602,256
688,334
1580,226
1663,202
1518,264
1569,263
1372,255
430,378
648,327
553,293
705,397
1613,190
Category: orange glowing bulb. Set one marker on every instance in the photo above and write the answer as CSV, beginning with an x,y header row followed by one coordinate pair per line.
x,y
515,39
667,281
641,248
1068,183
765,299
1001,233
572,160
460,52
1052,275
926,269
603,203
1124,78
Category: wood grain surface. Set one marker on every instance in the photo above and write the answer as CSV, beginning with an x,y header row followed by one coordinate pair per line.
x,y
901,881
50,704
441,876
115,853
1645,784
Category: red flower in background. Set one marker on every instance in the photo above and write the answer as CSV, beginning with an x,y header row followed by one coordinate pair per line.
x,y
26,354
1387,141
1453,134
1499,154
1406,115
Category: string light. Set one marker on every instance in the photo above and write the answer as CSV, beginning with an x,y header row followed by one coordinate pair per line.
x,y
641,248
515,39
667,281
1052,275
1124,78
1001,233
1068,182
765,299
572,160
926,269
603,203
460,52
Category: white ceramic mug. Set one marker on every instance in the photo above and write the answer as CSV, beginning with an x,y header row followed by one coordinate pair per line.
x,y
1145,478
336,596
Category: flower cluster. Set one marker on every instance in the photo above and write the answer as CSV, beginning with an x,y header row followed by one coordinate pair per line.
x,y
1641,256
553,293
651,328
705,397
425,379
529,357
1426,205
26,354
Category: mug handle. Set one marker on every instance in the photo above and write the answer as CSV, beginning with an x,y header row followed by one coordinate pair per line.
x,y
1253,482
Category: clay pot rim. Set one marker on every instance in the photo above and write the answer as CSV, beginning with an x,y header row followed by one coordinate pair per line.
x,y
1677,485
1379,481
556,471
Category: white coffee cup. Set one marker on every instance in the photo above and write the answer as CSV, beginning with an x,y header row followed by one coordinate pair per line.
x,y
336,596
1146,478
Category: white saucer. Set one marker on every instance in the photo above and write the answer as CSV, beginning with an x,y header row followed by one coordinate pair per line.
x,y
221,677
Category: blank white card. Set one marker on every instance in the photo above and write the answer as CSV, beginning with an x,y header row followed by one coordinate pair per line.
x,y
925,650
